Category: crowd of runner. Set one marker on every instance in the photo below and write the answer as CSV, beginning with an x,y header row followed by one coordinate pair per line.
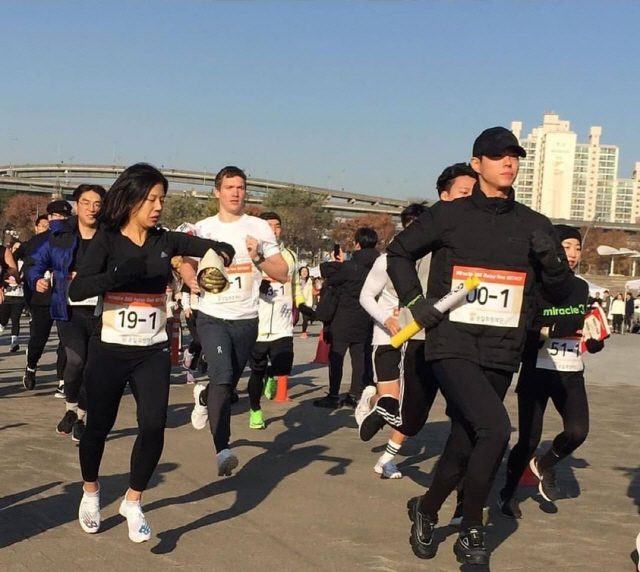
x,y
109,275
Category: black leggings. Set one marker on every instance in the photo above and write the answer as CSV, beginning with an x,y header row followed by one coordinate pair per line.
x,y
75,335
278,353
617,323
480,430
39,331
11,311
109,368
361,366
567,391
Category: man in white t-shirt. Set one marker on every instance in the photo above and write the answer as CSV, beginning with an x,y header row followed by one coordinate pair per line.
x,y
228,320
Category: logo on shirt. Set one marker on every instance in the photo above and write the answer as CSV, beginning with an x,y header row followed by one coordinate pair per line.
x,y
163,254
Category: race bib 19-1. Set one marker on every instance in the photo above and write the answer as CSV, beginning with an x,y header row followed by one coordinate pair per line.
x,y
132,319
496,302
560,354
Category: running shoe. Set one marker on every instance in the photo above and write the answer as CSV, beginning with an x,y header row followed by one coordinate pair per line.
x,y
509,506
387,470
78,430
59,392
190,379
270,387
364,405
200,413
256,420
203,366
139,529
470,549
547,486
371,424
1,330
14,348
65,427
29,379
350,401
234,398
422,527
227,462
89,512
328,402
187,358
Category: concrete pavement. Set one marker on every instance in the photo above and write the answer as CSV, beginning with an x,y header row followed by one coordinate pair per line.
x,y
305,496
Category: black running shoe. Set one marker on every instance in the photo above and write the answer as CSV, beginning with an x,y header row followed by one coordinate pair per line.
x,y
328,402
29,379
350,401
14,349
234,398
203,366
65,427
421,539
78,430
470,549
509,506
547,486
371,424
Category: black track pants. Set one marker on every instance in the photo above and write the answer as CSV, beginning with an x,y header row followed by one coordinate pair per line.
x,y
39,331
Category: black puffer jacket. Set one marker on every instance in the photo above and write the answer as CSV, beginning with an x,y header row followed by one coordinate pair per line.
x,y
478,232
350,323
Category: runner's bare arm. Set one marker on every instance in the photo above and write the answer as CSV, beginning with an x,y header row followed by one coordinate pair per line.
x,y
275,267
188,273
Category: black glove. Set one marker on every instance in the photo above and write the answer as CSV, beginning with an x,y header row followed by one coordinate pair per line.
x,y
594,346
545,251
131,270
265,287
224,251
425,313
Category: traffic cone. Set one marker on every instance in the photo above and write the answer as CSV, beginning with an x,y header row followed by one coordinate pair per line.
x,y
282,389
176,338
322,351
528,479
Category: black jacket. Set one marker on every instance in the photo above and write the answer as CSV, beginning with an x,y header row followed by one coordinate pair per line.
x,y
478,232
350,323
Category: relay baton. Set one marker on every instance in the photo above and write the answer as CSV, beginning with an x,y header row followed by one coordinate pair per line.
x,y
445,303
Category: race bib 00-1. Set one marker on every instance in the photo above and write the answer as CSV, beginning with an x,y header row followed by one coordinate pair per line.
x,y
131,319
496,302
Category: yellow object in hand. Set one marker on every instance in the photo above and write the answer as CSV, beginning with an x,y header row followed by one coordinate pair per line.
x,y
212,280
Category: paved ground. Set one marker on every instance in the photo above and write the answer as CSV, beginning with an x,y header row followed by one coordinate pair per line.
x,y
305,496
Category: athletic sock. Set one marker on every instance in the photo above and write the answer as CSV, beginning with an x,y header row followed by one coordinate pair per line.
x,y
81,414
390,452
548,460
14,340
72,407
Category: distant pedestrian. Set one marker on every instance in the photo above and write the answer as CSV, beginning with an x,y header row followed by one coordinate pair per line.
x,y
617,313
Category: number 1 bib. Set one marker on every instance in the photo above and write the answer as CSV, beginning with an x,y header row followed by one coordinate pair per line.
x,y
496,302
131,319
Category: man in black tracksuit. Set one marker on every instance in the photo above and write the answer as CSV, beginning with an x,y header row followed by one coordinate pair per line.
x,y
475,349
351,327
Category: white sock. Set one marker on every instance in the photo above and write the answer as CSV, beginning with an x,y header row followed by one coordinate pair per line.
x,y
81,414
14,340
72,407
390,452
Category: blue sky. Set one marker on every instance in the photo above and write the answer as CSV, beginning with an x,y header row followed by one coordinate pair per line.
x,y
373,97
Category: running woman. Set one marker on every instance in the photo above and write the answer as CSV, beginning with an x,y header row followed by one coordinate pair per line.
x,y
128,265
11,308
60,255
476,348
400,373
552,368
228,320
272,354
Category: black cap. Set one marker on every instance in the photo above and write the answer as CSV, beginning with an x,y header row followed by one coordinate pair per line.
x,y
59,207
494,141
565,231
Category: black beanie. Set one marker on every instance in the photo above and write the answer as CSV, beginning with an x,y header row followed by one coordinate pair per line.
x,y
565,231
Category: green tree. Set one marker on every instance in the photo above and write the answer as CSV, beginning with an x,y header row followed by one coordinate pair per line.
x,y
304,218
182,208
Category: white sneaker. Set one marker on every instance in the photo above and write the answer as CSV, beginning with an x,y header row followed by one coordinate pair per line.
x,y
60,389
200,413
139,529
190,378
363,407
227,461
187,358
387,470
1,330
89,512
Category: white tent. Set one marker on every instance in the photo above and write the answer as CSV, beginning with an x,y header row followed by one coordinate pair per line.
x,y
632,285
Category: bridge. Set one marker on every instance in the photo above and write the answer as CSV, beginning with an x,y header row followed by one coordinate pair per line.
x,y
61,179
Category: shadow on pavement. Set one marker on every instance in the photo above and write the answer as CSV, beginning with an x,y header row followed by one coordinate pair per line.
x,y
264,473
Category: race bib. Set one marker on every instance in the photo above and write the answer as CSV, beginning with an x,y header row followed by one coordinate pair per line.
x,y
13,289
496,302
240,284
88,302
134,319
560,354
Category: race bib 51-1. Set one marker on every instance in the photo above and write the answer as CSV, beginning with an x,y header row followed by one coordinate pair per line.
x,y
560,354
132,319
496,302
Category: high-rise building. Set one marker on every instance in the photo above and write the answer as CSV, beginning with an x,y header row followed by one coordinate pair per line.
x,y
564,179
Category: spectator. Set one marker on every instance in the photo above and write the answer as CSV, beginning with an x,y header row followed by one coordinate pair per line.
x,y
351,326
628,311
617,313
